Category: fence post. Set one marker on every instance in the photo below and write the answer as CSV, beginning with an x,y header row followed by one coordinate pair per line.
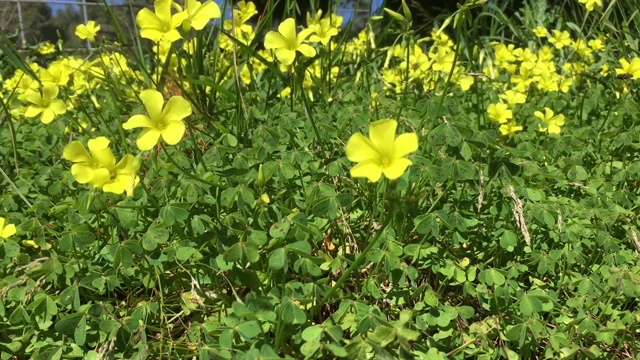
x,y
24,40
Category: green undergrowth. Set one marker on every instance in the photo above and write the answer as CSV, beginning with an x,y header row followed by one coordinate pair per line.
x,y
513,233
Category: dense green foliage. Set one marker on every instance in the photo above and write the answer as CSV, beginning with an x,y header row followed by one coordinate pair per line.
x,y
513,234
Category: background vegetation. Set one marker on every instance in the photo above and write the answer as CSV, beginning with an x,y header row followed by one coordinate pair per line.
x,y
513,234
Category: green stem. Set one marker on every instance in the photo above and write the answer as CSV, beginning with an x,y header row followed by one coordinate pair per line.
x,y
190,175
355,265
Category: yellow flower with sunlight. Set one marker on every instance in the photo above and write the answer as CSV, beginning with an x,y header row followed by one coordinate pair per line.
x,y
44,104
46,48
513,97
596,44
287,43
589,4
160,24
323,31
509,128
442,59
87,31
199,14
98,166
57,74
499,112
552,123
90,167
540,31
6,230
247,10
629,68
123,177
381,153
560,39
165,122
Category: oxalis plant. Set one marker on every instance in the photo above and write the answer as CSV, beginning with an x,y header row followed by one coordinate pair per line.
x,y
218,185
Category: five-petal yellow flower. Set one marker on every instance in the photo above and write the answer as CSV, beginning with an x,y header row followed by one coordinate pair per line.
x,y
165,122
160,25
88,31
90,166
382,152
286,42
46,105
553,122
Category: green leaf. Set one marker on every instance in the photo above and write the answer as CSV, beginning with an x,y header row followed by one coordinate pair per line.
x,y
530,305
383,335
174,212
312,333
80,331
249,329
491,277
278,259
279,229
291,313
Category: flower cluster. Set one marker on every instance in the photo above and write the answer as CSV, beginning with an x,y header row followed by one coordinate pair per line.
x,y
98,166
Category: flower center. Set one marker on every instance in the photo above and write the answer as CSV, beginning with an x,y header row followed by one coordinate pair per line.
x,y
386,162
161,126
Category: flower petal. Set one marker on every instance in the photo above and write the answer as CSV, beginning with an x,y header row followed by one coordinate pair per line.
x,y
153,101
382,134
148,138
396,168
58,107
405,144
273,40
359,148
173,132
286,56
369,169
100,177
177,108
83,173
138,121
10,230
307,50
75,152
47,116
288,30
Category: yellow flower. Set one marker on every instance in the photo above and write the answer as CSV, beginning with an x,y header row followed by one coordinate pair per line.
x,y
382,152
596,44
90,167
199,14
98,167
123,176
560,39
553,123
513,97
165,122
286,42
6,230
88,31
247,10
509,128
540,31
629,68
589,4
160,24
442,59
46,48
46,105
499,112
323,31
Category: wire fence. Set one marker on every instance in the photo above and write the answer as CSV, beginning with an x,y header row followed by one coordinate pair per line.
x,y
83,5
